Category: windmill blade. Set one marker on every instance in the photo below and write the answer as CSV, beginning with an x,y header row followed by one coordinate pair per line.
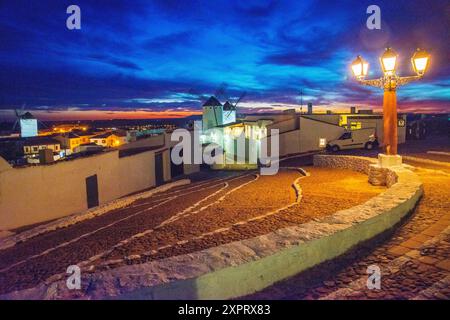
x,y
15,125
243,94
221,91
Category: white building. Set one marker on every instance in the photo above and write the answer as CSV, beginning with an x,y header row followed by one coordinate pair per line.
x,y
215,114
298,133
28,125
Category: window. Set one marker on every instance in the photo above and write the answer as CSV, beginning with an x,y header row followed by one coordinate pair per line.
x,y
103,141
27,149
35,149
354,125
56,147
345,136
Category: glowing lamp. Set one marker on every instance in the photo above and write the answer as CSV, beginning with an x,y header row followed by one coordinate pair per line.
x,y
389,61
420,61
360,67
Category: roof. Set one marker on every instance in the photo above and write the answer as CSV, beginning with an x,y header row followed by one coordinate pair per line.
x,y
71,135
229,124
228,106
91,144
102,136
212,102
39,141
120,133
27,115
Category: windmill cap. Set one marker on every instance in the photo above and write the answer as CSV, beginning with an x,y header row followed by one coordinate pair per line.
x,y
27,115
212,102
228,106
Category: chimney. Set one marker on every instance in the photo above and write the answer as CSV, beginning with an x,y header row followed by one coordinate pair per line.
x,y
310,109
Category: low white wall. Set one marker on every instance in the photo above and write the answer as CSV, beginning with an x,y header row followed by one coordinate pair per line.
x,y
40,193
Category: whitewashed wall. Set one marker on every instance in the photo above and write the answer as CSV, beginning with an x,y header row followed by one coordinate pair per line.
x,y
40,193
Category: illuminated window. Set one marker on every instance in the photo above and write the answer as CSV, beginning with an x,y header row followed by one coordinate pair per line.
x,y
322,142
355,125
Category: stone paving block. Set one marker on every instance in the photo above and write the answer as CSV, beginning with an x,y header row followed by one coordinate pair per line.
x,y
428,260
421,238
412,244
398,250
445,264
431,232
413,254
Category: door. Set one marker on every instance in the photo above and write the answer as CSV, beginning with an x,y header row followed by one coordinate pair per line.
x,y
92,191
176,169
159,169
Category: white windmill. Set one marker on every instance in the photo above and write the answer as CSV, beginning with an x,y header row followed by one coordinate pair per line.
x,y
28,123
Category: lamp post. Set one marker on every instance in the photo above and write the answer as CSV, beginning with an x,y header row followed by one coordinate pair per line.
x,y
389,83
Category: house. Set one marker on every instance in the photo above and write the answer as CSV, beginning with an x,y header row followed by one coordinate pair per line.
x,y
31,146
69,141
88,148
110,139
298,133
41,150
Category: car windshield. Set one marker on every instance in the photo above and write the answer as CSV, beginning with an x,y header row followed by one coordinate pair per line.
x,y
346,135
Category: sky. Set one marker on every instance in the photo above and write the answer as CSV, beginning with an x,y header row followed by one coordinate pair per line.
x,y
161,58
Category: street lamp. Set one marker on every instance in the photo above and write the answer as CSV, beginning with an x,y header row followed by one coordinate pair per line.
x,y
389,83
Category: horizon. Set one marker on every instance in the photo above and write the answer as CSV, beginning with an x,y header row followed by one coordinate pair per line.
x,y
158,60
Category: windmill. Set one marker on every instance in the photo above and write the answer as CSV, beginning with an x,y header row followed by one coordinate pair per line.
x,y
18,114
28,123
230,107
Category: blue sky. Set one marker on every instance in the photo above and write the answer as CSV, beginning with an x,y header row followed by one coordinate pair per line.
x,y
157,57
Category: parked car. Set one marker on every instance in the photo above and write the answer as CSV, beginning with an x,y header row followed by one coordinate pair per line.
x,y
354,139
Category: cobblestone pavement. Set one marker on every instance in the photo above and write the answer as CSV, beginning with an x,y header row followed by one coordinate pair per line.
x,y
413,258
213,210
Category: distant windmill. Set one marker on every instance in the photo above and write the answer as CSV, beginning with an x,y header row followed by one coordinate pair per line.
x,y
28,123
242,96
18,114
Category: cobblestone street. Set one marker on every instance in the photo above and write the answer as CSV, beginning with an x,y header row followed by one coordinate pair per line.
x,y
414,258
223,208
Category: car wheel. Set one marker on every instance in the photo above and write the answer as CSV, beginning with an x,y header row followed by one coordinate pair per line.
x,y
369,146
335,148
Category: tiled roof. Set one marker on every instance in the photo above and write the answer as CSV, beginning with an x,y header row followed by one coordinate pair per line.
x,y
228,106
27,115
212,102
40,141
102,136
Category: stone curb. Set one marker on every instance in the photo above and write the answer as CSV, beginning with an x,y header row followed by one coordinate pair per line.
x,y
426,161
244,267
